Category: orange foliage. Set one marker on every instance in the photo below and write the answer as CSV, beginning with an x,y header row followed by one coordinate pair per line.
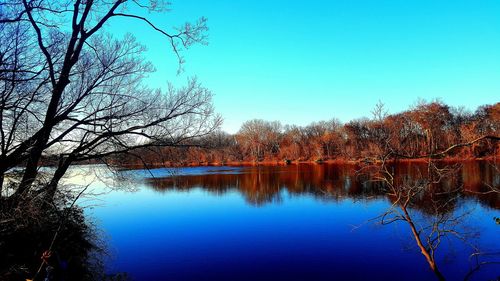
x,y
427,128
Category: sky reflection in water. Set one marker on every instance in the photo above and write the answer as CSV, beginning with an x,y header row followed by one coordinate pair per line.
x,y
307,222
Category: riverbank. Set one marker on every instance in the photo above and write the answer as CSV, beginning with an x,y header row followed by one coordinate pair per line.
x,y
298,162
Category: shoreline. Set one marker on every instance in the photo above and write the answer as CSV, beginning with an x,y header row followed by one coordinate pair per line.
x,y
299,162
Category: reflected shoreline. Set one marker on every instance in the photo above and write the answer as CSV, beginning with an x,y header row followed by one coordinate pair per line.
x,y
305,222
437,205
263,184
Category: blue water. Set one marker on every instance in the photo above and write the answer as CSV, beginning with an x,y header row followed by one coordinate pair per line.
x,y
276,223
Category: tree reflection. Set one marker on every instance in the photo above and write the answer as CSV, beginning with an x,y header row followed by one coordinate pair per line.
x,y
266,184
427,197
428,203
333,182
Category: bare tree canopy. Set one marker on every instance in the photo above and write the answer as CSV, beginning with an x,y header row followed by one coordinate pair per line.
x,y
70,90
426,130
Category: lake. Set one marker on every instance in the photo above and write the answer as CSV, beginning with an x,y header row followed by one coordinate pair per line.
x,y
294,222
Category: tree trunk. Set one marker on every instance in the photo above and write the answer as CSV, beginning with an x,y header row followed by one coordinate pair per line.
x,y
428,256
61,170
1,183
30,171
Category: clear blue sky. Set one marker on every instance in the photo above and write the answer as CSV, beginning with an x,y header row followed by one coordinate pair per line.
x,y
304,61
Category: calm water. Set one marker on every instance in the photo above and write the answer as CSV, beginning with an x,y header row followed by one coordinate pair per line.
x,y
296,222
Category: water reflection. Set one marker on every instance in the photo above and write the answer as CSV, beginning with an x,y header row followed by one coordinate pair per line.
x,y
434,192
333,182
306,222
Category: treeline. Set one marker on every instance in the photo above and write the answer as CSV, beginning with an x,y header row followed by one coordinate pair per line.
x,y
424,129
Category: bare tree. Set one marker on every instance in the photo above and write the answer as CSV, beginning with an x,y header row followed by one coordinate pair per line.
x,y
437,221
260,138
72,91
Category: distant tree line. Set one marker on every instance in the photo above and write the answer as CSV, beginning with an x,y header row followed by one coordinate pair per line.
x,y
424,130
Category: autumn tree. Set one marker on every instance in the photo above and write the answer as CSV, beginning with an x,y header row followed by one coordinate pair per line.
x,y
291,147
358,136
486,121
434,121
423,131
259,138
